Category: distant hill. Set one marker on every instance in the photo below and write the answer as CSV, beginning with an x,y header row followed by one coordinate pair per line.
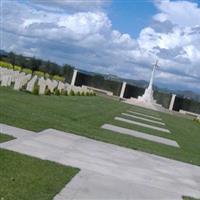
x,y
3,53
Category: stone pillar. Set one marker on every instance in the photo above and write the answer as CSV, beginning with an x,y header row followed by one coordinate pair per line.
x,y
74,77
171,105
73,81
122,90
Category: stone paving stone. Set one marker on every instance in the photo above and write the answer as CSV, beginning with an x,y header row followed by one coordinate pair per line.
x,y
138,134
142,124
144,119
109,171
13,131
145,115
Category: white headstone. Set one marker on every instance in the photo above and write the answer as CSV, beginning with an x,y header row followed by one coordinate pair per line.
x,y
51,84
61,86
42,85
31,84
21,81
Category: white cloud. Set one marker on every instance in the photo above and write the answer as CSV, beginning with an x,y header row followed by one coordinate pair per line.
x,y
86,39
182,13
76,5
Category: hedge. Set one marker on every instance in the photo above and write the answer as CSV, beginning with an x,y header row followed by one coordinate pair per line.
x,y
6,65
27,71
46,75
59,78
39,73
17,68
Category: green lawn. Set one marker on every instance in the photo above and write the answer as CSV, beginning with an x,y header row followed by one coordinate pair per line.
x,y
85,115
189,198
23,177
5,138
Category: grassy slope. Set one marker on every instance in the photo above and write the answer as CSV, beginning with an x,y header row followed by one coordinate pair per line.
x,y
84,116
23,177
5,138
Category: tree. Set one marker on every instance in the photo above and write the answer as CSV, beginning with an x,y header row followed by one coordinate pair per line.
x,y
21,61
34,64
11,58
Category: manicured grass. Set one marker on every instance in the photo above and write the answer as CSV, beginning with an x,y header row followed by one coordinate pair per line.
x,y
189,198
23,177
85,116
5,138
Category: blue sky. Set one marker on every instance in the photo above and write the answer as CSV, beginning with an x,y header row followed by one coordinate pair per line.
x,y
123,38
129,17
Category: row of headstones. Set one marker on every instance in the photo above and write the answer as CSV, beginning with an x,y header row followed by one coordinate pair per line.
x,y
20,80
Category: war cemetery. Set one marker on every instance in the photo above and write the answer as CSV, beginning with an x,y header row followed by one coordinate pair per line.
x,y
75,140
100,100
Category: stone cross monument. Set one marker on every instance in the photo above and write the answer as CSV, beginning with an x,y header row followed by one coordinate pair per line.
x,y
147,97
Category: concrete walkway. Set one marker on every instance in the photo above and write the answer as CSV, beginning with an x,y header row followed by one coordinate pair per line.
x,y
144,119
138,134
109,171
142,124
13,131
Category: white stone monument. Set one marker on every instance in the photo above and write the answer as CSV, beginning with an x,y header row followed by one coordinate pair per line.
x,y
147,97
146,100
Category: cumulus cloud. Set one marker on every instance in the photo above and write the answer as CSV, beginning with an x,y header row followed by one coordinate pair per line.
x,y
75,5
182,13
82,35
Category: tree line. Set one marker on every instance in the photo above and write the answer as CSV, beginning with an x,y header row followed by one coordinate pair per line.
x,y
36,64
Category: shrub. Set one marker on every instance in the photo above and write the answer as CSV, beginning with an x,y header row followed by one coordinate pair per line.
x,y
47,91
72,93
65,93
38,73
27,71
93,94
87,94
46,75
82,93
59,78
57,92
6,65
78,93
62,92
17,68
196,120
36,90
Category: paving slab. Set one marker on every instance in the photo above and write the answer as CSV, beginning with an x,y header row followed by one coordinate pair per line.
x,y
142,124
145,115
141,135
92,185
13,131
144,119
109,170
